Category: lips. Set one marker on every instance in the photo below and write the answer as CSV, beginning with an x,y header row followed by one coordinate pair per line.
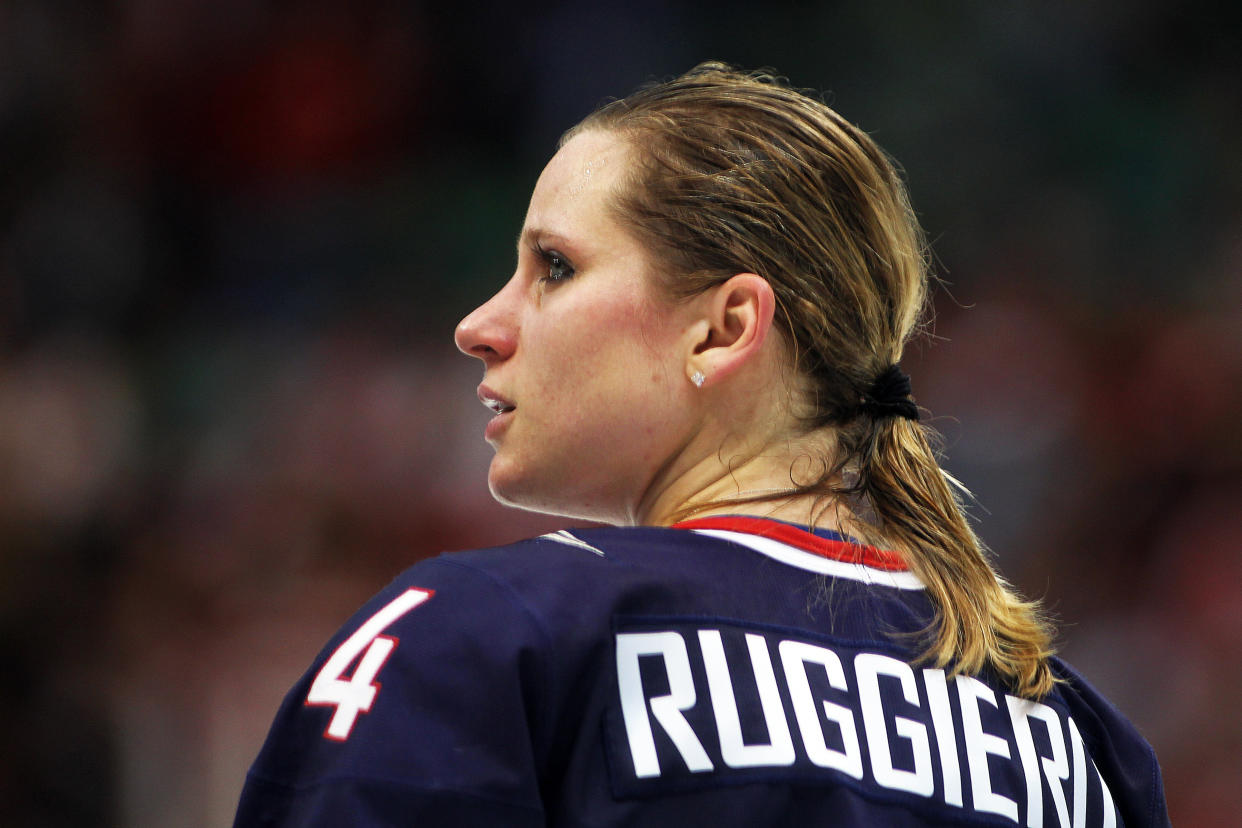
x,y
502,408
494,401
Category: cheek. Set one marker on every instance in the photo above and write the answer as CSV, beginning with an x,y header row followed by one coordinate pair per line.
x,y
628,351
606,373
593,337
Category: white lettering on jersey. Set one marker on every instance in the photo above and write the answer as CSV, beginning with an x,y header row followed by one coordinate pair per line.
x,y
1056,768
1080,776
736,753
869,667
946,739
795,655
1080,795
978,745
354,695
1025,760
666,709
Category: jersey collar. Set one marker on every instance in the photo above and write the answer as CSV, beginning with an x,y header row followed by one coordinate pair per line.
x,y
822,542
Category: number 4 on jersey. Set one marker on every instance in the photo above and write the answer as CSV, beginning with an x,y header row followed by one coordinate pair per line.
x,y
355,694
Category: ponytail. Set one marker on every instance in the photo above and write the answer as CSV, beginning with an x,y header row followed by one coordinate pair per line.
x,y
735,172
980,621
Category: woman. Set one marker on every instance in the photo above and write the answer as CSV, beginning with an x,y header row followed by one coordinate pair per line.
x,y
791,621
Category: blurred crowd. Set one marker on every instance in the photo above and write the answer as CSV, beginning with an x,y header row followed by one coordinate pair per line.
x,y
235,237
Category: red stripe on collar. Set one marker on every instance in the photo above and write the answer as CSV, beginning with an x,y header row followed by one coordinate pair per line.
x,y
802,539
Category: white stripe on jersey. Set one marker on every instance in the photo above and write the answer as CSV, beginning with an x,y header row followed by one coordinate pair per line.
x,y
564,537
818,564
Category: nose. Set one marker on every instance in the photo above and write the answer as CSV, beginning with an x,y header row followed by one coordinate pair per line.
x,y
488,332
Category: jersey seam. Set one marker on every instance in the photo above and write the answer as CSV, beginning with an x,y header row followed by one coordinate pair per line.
x,y
542,748
1153,802
513,595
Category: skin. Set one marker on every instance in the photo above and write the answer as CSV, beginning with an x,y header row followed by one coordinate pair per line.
x,y
596,362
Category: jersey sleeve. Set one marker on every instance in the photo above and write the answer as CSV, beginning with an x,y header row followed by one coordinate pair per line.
x,y
1125,759
421,710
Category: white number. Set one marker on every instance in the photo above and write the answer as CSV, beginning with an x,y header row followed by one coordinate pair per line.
x,y
356,694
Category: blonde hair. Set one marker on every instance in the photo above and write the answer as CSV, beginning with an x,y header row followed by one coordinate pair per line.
x,y
735,172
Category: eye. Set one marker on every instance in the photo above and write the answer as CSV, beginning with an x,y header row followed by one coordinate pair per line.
x,y
559,268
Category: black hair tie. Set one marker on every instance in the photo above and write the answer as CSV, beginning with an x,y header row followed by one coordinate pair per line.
x,y
889,396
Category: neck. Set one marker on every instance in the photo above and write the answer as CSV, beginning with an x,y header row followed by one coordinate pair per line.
x,y
761,482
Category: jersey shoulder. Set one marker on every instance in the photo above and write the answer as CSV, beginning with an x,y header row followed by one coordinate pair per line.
x,y
439,690
1124,757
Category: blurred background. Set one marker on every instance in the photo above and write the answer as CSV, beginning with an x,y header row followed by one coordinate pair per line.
x,y
236,235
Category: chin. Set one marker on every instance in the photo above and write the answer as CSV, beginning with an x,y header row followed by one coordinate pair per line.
x,y
517,493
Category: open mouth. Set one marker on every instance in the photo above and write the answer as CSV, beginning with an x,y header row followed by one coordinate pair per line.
x,y
499,406
494,401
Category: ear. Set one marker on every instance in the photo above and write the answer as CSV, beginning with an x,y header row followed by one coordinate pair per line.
x,y
737,320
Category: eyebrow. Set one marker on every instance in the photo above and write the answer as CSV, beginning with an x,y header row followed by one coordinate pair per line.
x,y
533,236
530,235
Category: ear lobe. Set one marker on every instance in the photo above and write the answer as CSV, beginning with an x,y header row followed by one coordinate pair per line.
x,y
739,318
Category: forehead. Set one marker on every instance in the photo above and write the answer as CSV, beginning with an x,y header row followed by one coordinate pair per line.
x,y
571,192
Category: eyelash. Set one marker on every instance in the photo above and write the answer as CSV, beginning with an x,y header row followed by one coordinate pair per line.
x,y
554,261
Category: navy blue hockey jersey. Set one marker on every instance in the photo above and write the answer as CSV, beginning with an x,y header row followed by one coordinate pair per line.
x,y
728,672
